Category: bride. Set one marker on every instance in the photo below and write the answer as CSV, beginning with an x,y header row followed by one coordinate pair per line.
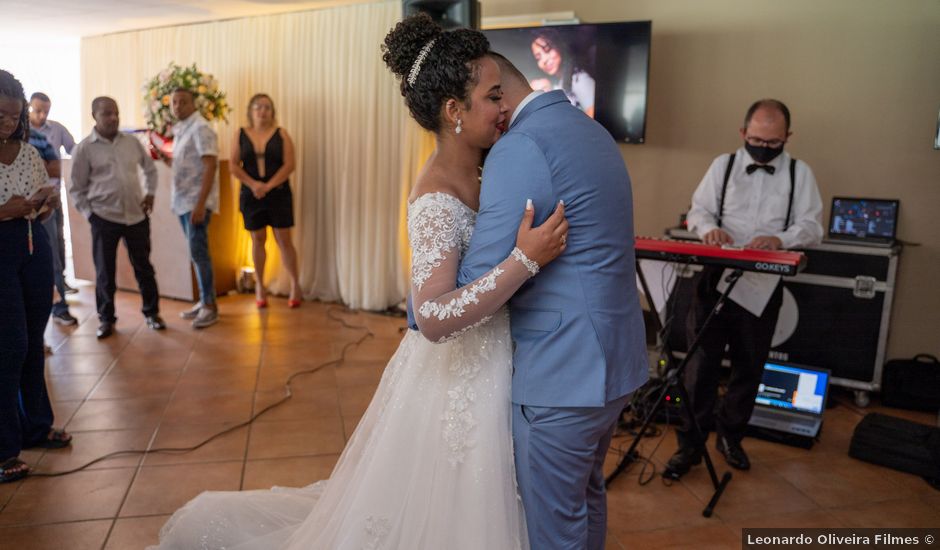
x,y
430,464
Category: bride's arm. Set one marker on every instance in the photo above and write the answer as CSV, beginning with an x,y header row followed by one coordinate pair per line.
x,y
441,311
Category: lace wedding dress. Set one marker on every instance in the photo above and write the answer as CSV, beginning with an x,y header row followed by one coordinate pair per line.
x,y
430,465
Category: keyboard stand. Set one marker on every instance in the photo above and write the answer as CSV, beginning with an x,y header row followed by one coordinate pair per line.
x,y
674,378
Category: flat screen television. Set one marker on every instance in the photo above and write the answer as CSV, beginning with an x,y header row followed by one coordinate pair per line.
x,y
603,68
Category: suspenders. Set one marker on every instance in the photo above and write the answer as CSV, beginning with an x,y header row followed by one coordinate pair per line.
x,y
724,187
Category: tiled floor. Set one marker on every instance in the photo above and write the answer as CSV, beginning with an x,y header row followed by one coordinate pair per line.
x,y
141,389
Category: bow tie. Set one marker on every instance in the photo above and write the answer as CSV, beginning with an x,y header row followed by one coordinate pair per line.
x,y
751,168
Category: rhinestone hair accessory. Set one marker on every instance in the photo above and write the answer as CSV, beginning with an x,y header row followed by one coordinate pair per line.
x,y
416,66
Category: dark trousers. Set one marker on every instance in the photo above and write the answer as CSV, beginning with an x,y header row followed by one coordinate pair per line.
x,y
105,236
748,339
26,298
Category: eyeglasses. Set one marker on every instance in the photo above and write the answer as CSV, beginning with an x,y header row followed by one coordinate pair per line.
x,y
773,143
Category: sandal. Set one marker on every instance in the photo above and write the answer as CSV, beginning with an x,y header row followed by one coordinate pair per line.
x,y
13,469
57,439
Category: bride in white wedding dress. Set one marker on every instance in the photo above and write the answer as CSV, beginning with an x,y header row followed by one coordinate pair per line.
x,y
430,464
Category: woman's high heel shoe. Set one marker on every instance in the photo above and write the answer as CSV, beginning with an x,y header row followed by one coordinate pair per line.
x,y
293,304
262,303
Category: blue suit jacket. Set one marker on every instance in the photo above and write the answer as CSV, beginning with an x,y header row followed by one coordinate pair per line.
x,y
577,326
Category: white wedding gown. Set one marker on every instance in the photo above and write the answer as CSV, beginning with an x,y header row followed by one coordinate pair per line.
x,y
430,464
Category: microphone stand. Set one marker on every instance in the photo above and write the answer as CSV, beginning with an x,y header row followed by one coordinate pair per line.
x,y
673,377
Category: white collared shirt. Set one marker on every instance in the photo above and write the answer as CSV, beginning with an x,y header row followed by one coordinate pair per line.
x,y
525,101
192,140
756,204
106,178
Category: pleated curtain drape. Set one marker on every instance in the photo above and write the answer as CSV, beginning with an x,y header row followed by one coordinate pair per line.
x,y
357,148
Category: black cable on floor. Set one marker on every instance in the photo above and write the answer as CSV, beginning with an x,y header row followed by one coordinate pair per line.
x,y
288,394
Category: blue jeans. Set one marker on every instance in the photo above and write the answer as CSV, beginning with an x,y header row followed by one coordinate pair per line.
x,y
198,237
52,229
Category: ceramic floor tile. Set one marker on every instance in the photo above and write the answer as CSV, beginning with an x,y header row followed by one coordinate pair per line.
x,y
360,373
315,436
82,535
116,414
635,507
712,536
163,489
749,493
832,480
272,378
355,400
71,386
228,447
905,512
302,405
209,409
231,356
78,363
166,360
90,494
135,533
88,446
288,472
821,519
121,384
196,383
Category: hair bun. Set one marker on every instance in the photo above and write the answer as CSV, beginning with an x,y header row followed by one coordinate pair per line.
x,y
403,43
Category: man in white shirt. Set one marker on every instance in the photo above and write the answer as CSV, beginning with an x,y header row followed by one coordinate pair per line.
x,y
106,189
195,196
759,197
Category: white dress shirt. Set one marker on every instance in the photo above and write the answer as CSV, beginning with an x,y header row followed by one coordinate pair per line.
x,y
106,179
525,101
192,140
756,204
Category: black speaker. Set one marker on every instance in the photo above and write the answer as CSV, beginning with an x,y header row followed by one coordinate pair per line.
x,y
449,14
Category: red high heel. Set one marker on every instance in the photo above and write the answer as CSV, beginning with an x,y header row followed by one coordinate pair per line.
x,y
293,304
262,303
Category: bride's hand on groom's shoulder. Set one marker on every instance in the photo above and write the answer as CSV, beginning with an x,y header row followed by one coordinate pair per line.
x,y
546,242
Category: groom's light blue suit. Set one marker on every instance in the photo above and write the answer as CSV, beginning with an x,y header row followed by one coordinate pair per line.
x,y
580,346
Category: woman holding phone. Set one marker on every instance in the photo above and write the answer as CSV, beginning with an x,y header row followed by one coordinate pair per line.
x,y
25,288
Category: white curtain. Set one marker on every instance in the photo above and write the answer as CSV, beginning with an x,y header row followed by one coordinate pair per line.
x,y
338,101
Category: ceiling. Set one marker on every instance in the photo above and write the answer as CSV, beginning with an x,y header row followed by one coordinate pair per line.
x,y
93,17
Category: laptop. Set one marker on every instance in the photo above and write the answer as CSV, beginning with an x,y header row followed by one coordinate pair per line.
x,y
867,222
791,400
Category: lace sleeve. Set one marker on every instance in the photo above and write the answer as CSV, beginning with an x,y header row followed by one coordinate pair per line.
x,y
437,228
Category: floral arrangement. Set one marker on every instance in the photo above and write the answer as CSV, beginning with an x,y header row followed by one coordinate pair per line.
x,y
210,102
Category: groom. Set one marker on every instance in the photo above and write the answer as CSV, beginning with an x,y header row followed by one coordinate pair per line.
x,y
580,346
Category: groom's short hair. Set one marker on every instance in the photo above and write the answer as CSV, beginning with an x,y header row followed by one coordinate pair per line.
x,y
506,67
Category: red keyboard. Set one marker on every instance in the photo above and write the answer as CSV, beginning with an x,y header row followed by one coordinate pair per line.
x,y
779,262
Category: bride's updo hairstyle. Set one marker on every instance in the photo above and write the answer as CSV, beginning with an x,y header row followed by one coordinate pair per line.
x,y
430,75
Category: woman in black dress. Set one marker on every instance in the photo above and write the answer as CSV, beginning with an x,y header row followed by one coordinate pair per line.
x,y
263,159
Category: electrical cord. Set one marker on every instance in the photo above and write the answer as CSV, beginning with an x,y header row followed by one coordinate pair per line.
x,y
288,395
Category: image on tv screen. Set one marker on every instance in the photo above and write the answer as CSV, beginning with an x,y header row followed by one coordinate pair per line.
x,y
602,68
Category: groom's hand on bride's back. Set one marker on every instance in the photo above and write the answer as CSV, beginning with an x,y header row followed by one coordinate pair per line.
x,y
546,242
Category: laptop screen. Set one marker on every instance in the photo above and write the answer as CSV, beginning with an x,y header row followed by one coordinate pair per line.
x,y
793,388
863,219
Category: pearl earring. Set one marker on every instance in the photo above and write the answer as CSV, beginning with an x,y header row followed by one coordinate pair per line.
x,y
458,129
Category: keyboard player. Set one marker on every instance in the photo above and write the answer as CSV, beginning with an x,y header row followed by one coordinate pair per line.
x,y
762,198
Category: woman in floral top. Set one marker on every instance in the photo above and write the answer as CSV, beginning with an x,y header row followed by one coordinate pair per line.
x,y
25,288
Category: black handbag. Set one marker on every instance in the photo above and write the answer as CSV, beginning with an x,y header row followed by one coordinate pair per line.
x,y
912,383
898,444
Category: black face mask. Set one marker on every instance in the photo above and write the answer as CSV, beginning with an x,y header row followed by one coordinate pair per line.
x,y
762,155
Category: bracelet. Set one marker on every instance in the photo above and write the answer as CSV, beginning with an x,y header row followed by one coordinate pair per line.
x,y
529,264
